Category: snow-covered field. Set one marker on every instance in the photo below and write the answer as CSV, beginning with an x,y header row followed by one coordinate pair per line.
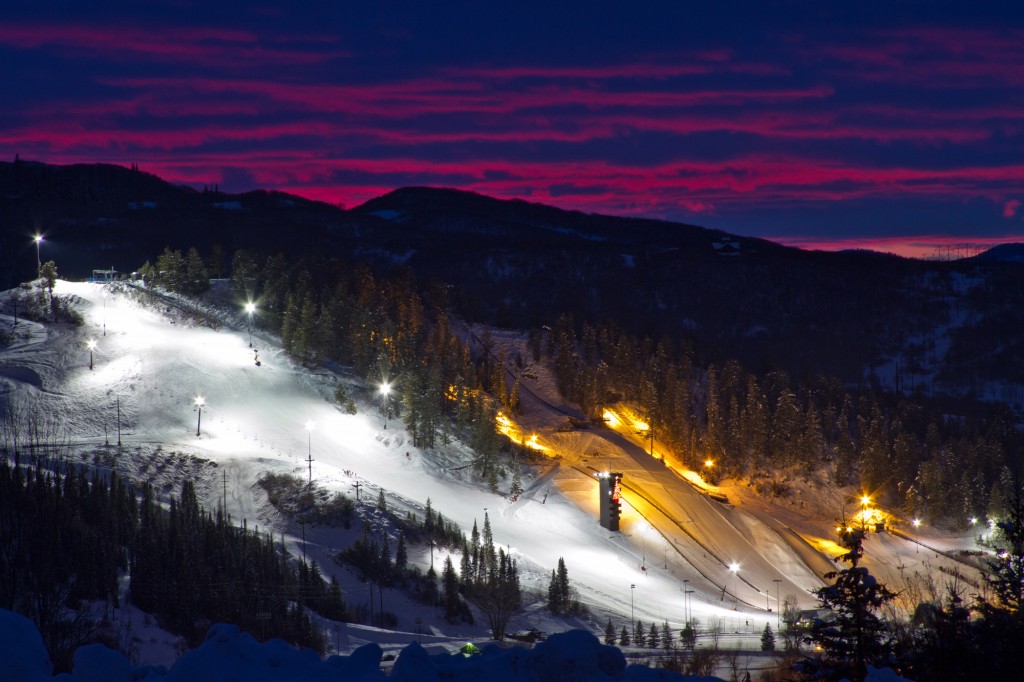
x,y
150,367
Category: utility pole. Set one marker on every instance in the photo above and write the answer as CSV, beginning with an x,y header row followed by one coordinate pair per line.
x,y
632,617
686,600
778,606
225,502
118,421
309,452
652,435
357,485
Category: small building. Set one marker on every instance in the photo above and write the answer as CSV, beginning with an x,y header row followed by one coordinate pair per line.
x,y
102,276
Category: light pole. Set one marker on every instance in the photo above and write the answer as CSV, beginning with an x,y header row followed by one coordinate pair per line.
x,y
92,346
385,391
104,312
309,450
643,548
632,618
917,543
778,606
652,435
199,402
864,502
39,262
250,308
735,569
686,600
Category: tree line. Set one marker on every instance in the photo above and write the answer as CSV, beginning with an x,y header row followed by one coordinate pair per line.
x,y
911,453
66,536
935,461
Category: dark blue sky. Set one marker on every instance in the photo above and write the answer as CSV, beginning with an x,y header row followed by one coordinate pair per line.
x,y
889,125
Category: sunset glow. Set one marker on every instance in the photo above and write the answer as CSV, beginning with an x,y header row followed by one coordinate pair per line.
x,y
891,136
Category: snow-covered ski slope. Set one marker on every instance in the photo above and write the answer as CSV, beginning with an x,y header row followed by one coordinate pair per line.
x,y
276,416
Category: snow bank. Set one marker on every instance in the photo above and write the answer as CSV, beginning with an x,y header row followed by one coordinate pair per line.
x,y
229,655
22,654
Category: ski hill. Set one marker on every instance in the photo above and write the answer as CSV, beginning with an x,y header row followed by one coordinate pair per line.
x,y
129,402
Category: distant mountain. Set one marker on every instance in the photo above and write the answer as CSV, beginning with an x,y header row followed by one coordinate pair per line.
x,y
1006,253
101,215
860,316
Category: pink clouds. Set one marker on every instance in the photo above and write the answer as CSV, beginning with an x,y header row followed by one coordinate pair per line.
x,y
196,45
678,133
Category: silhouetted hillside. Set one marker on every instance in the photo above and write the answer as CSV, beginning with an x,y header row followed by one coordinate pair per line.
x,y
862,316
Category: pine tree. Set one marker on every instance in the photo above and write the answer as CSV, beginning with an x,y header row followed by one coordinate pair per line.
x,y
450,591
487,546
667,640
196,279
382,504
624,639
553,600
688,637
653,637
639,634
401,556
767,638
428,520
609,633
289,323
517,482
857,636
564,593
497,593
1006,567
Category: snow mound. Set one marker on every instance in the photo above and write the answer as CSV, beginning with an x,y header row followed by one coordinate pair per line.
x,y
22,654
230,655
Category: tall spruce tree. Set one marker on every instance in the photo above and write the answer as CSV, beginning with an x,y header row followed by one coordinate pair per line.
x,y
857,636
609,633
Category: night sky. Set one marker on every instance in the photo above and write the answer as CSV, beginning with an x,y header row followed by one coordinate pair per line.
x,y
896,126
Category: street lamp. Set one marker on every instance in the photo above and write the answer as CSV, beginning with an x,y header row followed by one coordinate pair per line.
x,y
385,391
864,502
92,346
643,547
39,262
735,569
686,600
199,402
309,449
778,606
104,312
250,308
632,618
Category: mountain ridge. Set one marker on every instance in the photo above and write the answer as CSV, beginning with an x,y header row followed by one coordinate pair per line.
x,y
864,317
